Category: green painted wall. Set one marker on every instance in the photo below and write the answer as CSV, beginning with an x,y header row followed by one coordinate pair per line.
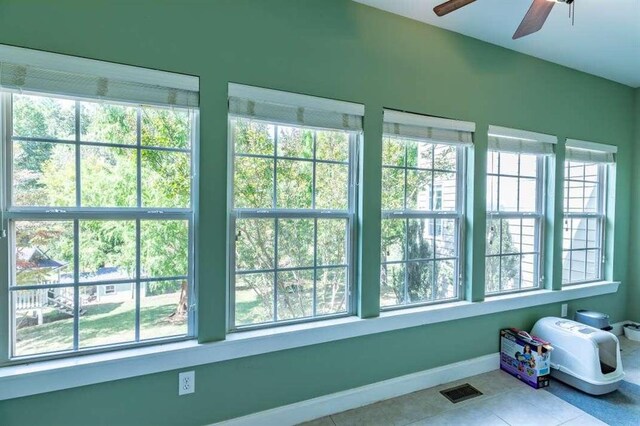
x,y
335,49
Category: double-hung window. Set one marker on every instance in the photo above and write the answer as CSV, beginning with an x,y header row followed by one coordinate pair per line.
x,y
292,204
515,206
97,200
422,208
585,173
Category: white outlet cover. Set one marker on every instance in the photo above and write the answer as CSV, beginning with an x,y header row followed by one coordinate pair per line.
x,y
564,310
186,382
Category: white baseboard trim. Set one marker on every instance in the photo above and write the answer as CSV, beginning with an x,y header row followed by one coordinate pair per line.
x,y
353,398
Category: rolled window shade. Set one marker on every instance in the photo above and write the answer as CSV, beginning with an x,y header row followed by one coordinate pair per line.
x,y
293,109
25,70
427,128
590,152
520,141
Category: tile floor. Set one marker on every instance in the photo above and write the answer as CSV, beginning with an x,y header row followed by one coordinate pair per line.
x,y
505,401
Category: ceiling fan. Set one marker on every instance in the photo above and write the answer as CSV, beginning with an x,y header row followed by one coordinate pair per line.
x,y
532,21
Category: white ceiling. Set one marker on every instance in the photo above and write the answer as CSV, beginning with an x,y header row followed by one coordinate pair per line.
x,y
605,40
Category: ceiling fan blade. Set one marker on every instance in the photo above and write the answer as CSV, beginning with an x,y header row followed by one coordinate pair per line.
x,y
450,6
535,18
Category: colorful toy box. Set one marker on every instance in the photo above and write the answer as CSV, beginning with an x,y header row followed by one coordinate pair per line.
x,y
525,357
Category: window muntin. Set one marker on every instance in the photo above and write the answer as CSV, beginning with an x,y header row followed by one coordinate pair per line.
x,y
91,265
584,221
514,221
292,221
421,220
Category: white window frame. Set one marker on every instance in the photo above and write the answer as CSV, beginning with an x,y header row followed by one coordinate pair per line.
x,y
538,216
355,138
76,214
600,217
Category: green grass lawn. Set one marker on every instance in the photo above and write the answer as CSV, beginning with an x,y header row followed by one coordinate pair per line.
x,y
103,323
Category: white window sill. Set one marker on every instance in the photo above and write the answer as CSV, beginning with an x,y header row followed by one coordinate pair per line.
x,y
48,376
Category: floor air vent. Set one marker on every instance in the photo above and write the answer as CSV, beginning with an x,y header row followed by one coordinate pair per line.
x,y
461,393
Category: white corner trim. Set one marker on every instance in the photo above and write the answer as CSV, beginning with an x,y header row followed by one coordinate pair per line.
x,y
260,94
353,398
48,376
392,116
75,64
525,135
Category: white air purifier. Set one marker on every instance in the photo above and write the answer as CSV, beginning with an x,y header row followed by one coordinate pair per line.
x,y
584,357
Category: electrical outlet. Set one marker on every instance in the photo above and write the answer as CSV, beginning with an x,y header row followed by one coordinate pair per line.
x,y
186,382
564,310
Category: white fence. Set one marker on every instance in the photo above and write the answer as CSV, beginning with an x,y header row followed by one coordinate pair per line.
x,y
33,299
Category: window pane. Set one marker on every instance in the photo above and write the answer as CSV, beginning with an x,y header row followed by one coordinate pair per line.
x,y
419,154
166,179
529,235
510,272
590,203
593,265
255,239
43,320
43,117
444,196
507,193
420,239
44,174
107,314
107,250
295,294
392,189
493,236
254,298
253,183
527,195
253,137
393,152
492,274
164,248
445,157
163,309
510,237
332,186
579,233
445,237
492,162
100,122
593,239
419,186
528,165
44,252
295,243
331,293
393,239
420,280
445,287
509,163
492,193
529,264
332,146
295,184
295,142
392,284
578,265
167,128
332,242
109,177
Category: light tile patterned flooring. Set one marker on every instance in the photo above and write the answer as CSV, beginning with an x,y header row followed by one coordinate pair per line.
x,y
505,401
